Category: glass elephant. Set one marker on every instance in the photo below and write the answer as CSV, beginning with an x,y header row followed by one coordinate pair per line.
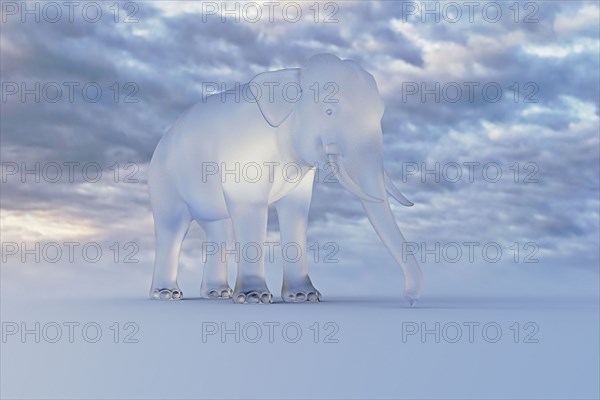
x,y
326,113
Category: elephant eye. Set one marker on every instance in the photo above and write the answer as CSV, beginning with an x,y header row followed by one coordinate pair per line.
x,y
329,111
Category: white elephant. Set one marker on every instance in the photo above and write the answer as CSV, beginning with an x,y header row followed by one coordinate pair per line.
x,y
329,111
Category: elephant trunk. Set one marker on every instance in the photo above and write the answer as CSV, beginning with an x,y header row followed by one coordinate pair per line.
x,y
381,218
370,183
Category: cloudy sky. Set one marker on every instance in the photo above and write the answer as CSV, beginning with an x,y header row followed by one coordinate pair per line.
x,y
527,108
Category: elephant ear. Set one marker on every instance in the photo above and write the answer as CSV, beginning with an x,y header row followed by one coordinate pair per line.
x,y
276,94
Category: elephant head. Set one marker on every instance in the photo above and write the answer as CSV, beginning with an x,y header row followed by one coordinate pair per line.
x,y
332,110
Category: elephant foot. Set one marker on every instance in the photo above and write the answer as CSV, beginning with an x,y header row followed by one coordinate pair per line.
x,y
250,296
166,294
215,292
301,292
412,301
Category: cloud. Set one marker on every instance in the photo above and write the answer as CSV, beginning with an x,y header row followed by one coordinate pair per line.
x,y
546,117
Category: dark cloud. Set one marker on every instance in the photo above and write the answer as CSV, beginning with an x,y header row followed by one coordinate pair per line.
x,y
167,56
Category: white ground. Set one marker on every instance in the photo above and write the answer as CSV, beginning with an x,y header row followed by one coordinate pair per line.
x,y
369,359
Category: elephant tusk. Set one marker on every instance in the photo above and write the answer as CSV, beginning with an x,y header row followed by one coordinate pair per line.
x,y
395,192
342,175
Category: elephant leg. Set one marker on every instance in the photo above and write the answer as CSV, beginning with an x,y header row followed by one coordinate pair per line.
x,y
214,279
250,230
292,211
170,230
